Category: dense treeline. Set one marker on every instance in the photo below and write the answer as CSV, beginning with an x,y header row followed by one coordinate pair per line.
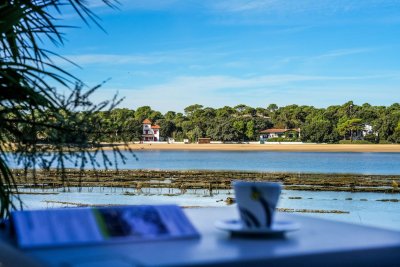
x,y
243,123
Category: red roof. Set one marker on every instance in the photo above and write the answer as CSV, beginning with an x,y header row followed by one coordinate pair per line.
x,y
279,130
155,127
146,121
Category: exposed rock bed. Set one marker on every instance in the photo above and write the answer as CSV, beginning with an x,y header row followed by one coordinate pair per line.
x,y
205,179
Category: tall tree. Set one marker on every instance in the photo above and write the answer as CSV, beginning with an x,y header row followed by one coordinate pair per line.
x,y
349,127
143,113
192,109
272,108
250,134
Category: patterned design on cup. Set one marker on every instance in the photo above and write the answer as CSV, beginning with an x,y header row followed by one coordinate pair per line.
x,y
257,196
249,218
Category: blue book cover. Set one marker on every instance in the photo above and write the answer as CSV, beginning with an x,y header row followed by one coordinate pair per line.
x,y
78,226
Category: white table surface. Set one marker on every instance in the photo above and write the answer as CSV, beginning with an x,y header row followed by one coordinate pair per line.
x,y
318,243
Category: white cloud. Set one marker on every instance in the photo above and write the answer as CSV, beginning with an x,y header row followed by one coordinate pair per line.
x,y
139,4
190,58
343,52
282,7
332,54
259,12
117,59
295,6
217,91
215,83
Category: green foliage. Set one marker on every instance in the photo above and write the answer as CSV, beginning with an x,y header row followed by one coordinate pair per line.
x,y
167,127
194,134
272,107
250,133
348,127
190,110
239,126
372,138
34,117
143,113
348,142
319,131
395,137
281,139
243,123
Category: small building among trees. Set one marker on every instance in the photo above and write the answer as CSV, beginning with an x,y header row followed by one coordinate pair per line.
x,y
204,140
279,133
151,133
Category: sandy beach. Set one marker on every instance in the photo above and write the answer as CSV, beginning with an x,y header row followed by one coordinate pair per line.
x,y
272,147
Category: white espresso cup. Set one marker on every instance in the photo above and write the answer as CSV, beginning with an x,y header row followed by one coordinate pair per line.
x,y
256,202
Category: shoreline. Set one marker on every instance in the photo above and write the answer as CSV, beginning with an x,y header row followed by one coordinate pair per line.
x,y
283,147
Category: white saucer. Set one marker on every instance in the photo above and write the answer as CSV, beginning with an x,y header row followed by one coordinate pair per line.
x,y
236,227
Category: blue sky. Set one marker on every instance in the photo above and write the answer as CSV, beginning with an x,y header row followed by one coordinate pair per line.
x,y
172,53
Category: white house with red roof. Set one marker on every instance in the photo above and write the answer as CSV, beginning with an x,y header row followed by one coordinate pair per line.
x,y
151,133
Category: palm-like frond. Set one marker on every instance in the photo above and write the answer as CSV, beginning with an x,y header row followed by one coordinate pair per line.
x,y
29,105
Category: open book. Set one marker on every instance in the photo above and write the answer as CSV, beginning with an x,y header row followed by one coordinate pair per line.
x,y
76,226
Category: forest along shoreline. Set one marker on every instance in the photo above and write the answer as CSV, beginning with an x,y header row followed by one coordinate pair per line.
x,y
203,179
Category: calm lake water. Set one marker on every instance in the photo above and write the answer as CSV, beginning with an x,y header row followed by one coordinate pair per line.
x,y
318,162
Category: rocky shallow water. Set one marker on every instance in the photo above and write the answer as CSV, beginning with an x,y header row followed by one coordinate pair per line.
x,y
377,209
